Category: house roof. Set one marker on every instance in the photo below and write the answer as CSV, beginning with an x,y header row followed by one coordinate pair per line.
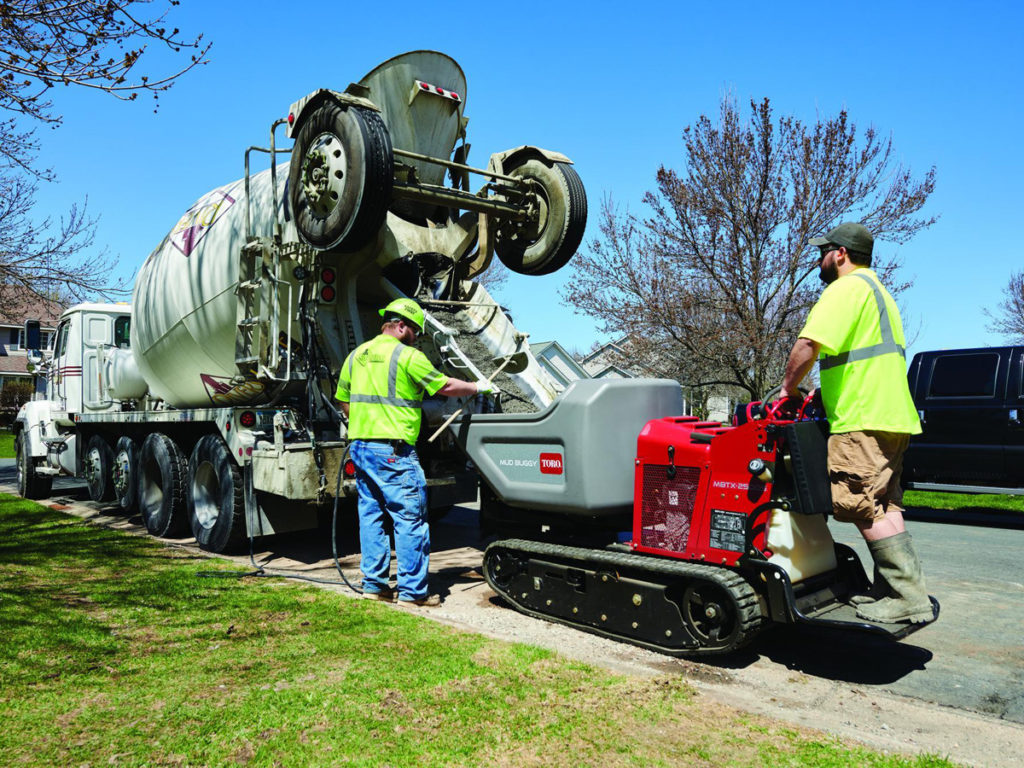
x,y
20,305
14,364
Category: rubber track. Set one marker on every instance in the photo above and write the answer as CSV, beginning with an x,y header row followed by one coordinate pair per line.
x,y
750,614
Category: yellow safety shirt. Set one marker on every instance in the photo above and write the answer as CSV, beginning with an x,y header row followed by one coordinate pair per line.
x,y
383,380
863,361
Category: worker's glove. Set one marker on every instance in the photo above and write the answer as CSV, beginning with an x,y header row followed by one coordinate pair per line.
x,y
487,388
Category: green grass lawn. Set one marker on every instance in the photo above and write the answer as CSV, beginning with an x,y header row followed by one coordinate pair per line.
x,y
988,501
117,652
6,444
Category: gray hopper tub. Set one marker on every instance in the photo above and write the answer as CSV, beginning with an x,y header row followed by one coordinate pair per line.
x,y
577,456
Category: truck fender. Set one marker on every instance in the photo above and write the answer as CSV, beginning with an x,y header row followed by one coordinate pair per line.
x,y
301,109
501,160
32,422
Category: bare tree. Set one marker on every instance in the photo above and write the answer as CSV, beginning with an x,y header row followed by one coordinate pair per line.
x,y
90,43
1008,319
43,257
96,44
714,285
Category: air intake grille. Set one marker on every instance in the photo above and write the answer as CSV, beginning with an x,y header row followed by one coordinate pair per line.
x,y
666,507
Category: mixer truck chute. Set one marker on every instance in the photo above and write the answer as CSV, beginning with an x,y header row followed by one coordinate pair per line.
x,y
207,404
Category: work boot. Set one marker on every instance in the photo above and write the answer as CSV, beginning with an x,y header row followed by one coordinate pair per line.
x,y
898,564
879,589
427,601
386,595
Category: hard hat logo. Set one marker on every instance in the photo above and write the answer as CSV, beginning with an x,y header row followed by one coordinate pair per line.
x,y
407,309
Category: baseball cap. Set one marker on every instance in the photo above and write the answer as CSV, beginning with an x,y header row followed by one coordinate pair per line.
x,y
851,235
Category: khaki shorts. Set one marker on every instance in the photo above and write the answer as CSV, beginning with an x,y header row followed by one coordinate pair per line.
x,y
864,470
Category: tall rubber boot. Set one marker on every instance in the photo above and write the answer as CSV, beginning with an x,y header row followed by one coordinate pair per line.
x,y
879,589
899,565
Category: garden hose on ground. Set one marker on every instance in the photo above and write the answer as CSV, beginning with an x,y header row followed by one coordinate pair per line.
x,y
260,571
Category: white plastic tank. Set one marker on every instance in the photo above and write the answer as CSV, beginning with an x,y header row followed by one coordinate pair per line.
x,y
184,306
801,544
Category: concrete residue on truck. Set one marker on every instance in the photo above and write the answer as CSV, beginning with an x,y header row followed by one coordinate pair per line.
x,y
207,404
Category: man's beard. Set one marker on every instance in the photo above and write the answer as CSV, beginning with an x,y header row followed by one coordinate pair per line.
x,y
828,273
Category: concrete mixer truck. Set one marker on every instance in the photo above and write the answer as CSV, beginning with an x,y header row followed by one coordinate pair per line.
x,y
207,403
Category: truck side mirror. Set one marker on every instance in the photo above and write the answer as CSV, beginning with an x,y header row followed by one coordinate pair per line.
x,y
32,335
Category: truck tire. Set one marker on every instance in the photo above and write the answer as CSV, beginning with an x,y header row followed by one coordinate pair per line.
x,y
544,246
98,469
341,177
217,512
126,473
163,486
31,485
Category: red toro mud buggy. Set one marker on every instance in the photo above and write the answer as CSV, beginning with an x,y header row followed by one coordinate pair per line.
x,y
729,524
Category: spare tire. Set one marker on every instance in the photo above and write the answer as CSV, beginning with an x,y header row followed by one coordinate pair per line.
x,y
545,245
341,177
163,486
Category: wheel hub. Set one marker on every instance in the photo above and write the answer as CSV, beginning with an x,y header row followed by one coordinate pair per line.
x,y
323,174
92,464
120,472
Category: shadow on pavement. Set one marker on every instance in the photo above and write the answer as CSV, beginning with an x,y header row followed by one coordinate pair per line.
x,y
981,517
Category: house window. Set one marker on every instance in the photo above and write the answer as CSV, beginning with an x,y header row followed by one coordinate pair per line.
x,y
15,339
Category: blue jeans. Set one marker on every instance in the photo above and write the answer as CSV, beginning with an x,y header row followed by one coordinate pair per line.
x,y
390,480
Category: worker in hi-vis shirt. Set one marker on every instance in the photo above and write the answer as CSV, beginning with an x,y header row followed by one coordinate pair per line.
x,y
381,388
856,329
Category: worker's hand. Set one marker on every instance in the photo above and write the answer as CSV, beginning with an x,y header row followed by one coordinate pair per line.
x,y
787,406
487,388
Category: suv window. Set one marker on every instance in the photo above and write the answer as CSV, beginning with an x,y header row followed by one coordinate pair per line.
x,y
964,375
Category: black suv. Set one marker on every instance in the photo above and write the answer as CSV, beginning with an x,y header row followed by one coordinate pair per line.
x,y
971,403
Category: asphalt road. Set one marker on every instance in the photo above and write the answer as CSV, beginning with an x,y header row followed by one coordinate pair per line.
x,y
973,657
971,660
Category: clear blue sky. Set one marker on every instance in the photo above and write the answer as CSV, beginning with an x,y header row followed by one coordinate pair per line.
x,y
612,85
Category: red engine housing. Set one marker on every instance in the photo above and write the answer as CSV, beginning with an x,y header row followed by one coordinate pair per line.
x,y
699,499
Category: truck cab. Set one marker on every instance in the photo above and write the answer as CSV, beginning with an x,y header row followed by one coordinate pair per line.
x,y
970,403
85,336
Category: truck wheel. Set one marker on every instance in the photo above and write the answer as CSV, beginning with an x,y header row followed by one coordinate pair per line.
x,y
217,513
31,485
98,466
545,245
163,486
341,176
126,473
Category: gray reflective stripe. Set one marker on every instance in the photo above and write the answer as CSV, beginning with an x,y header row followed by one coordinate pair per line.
x,y
888,344
431,377
396,354
383,400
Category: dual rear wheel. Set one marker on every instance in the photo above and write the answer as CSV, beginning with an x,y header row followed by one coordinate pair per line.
x,y
173,493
